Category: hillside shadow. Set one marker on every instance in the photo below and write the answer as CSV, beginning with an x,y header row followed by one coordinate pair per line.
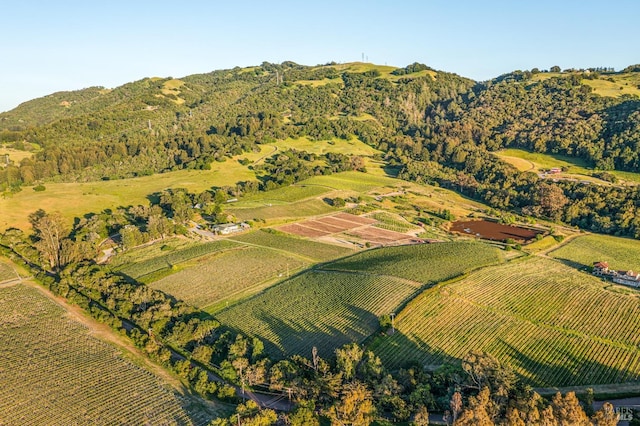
x,y
421,352
572,263
300,335
571,369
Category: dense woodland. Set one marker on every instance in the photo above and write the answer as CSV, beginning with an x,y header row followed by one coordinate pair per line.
x,y
437,127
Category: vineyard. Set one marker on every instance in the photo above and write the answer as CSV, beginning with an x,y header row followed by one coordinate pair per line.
x,y
392,222
169,259
621,253
54,372
314,250
318,308
553,325
226,276
425,263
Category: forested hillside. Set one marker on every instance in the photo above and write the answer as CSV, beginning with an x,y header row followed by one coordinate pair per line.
x,y
437,126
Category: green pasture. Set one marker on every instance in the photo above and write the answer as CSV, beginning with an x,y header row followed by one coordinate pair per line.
x,y
353,146
583,251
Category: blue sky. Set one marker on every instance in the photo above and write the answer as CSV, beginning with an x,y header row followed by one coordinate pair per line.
x,y
49,46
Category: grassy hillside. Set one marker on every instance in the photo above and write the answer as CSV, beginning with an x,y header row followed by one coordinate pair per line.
x,y
621,253
426,263
551,324
342,300
50,358
573,167
316,251
318,308
142,262
212,282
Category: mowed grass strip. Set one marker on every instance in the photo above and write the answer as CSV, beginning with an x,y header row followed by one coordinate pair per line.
x,y
353,181
319,252
553,325
172,258
150,251
6,272
318,308
286,194
305,208
424,263
211,281
353,146
621,253
75,378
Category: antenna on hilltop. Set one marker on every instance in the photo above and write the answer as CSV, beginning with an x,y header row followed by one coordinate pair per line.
x,y
362,56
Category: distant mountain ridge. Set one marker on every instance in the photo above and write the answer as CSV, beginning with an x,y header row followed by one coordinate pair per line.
x,y
434,125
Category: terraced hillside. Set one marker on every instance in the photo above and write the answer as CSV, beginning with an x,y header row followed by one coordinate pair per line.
x,y
552,324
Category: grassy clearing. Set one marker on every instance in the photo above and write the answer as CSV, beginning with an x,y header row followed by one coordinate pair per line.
x,y
76,378
170,260
557,328
575,167
77,199
319,252
353,181
15,155
621,253
148,252
353,146
211,281
545,161
318,308
544,244
623,84
424,263
287,194
278,212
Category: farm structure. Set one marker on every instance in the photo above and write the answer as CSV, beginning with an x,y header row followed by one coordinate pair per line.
x,y
229,228
628,278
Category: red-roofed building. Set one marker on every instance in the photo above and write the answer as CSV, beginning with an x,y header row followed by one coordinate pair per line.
x,y
600,268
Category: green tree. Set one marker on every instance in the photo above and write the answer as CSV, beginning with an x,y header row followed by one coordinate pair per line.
x,y
347,359
304,415
50,231
605,416
567,410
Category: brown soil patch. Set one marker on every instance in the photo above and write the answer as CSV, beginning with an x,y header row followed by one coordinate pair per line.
x,y
303,231
380,236
356,219
493,231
